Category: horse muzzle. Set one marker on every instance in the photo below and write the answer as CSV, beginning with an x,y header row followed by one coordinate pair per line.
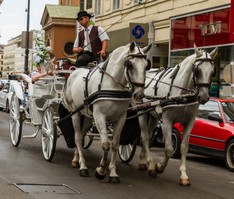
x,y
138,94
203,95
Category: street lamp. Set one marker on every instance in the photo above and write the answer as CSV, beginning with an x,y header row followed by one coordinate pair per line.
x,y
27,41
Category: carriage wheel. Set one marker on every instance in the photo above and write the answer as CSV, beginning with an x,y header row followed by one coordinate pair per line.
x,y
127,152
16,121
48,134
87,141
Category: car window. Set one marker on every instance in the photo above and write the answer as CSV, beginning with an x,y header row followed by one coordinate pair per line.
x,y
207,108
228,109
6,87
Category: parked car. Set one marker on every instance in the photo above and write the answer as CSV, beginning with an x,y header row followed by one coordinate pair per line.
x,y
4,94
212,134
9,87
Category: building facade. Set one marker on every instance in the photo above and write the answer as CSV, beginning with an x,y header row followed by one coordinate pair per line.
x,y
1,59
59,24
173,26
14,55
207,29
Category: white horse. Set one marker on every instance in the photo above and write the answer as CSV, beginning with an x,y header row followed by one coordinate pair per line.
x,y
189,84
104,94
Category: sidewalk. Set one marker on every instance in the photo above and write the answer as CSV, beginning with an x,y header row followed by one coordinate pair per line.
x,y
10,191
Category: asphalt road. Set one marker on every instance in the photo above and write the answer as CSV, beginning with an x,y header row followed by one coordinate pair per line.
x,y
26,167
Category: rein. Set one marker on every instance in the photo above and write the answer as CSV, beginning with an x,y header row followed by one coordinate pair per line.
x,y
173,76
127,65
104,72
195,70
126,94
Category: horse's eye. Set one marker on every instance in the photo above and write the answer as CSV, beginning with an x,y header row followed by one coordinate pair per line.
x,y
129,64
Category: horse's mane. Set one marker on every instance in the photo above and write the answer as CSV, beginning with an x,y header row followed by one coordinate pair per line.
x,y
117,50
189,60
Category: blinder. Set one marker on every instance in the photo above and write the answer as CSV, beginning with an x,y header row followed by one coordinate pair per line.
x,y
196,70
128,63
148,67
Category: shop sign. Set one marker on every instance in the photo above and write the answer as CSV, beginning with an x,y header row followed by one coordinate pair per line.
x,y
232,21
211,28
205,29
139,33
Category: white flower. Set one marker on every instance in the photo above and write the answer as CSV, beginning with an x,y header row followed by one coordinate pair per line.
x,y
39,50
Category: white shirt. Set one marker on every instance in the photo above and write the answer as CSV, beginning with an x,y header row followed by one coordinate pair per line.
x,y
101,33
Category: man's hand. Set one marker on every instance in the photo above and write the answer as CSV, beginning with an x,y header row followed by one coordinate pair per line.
x,y
102,53
78,50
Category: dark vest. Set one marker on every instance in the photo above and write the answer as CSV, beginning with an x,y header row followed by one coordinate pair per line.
x,y
96,43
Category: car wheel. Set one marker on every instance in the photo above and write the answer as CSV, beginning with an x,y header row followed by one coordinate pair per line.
x,y
176,142
229,157
157,138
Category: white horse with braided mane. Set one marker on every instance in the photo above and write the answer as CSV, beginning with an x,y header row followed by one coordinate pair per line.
x,y
183,87
104,94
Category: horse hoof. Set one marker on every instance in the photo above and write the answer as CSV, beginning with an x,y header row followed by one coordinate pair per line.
x,y
142,167
75,164
114,180
184,182
152,173
84,173
157,170
99,176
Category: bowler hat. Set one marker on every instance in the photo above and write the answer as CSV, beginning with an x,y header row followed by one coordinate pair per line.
x,y
82,13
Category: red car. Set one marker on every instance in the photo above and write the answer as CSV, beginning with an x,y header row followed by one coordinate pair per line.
x,y
212,134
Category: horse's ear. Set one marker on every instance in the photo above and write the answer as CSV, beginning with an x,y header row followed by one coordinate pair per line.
x,y
214,53
199,54
147,48
132,46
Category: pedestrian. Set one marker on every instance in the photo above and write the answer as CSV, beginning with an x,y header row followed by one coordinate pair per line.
x,y
91,42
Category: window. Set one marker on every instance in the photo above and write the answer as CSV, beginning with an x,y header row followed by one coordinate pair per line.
x,y
81,4
116,4
97,7
88,4
207,108
68,48
228,109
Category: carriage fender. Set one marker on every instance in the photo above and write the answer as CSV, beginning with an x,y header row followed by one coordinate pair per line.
x,y
18,90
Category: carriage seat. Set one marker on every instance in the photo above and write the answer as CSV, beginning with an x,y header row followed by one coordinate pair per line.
x,y
46,86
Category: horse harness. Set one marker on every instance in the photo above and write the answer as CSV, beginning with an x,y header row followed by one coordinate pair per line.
x,y
195,70
116,94
186,98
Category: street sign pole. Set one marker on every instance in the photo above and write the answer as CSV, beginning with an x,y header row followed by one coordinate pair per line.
x,y
27,41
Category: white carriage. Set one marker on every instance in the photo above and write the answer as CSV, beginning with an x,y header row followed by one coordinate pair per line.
x,y
40,107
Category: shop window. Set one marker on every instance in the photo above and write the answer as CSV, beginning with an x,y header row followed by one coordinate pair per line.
x,y
97,7
116,4
88,4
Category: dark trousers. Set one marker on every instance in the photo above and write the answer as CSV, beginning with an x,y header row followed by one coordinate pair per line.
x,y
84,58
